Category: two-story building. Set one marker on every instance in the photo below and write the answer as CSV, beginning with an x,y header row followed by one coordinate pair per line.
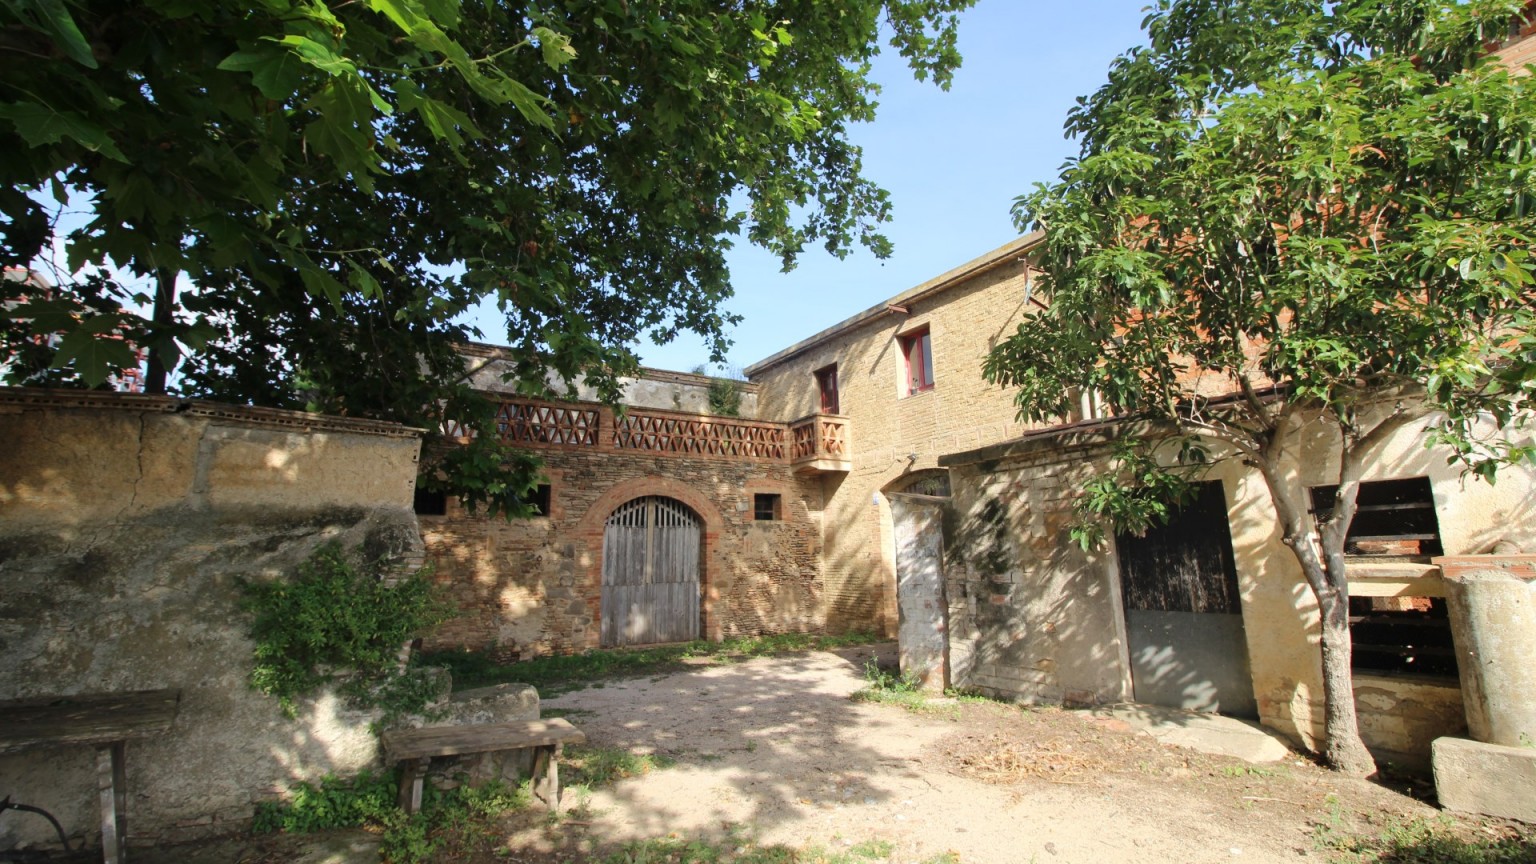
x,y
876,482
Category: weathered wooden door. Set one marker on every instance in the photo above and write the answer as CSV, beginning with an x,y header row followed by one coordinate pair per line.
x,y
651,573
1183,615
922,628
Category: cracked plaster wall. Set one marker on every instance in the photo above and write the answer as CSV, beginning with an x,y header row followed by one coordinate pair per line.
x,y
125,526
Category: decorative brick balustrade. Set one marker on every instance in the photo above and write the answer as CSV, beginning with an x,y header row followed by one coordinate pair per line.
x,y
817,443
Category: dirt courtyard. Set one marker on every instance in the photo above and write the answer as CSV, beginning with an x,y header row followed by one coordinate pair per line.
x,y
773,750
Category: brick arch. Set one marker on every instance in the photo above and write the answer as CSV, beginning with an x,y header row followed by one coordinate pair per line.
x,y
651,484
589,532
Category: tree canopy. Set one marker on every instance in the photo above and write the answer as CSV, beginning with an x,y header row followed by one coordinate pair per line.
x,y
1288,208
341,182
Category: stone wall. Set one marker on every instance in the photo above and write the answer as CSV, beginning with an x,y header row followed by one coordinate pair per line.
x,y
652,388
126,523
894,435
532,587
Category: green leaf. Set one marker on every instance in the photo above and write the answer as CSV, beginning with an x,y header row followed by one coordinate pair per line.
x,y
53,18
274,71
95,357
40,125
315,54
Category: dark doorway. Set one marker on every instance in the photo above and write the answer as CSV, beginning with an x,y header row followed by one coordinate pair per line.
x,y
1183,615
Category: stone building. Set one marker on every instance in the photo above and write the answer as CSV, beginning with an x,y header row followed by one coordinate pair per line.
x,y
878,483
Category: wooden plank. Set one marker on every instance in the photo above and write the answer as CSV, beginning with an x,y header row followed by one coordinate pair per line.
x,y
110,788
402,744
85,718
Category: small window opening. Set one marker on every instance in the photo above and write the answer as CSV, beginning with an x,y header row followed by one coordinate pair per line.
x,y
538,499
917,351
1401,636
1393,518
429,503
765,507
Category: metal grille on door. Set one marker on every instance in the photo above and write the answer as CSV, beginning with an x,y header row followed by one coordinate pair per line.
x,y
651,573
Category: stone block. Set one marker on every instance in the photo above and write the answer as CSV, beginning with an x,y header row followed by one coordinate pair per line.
x,y
502,703
1490,779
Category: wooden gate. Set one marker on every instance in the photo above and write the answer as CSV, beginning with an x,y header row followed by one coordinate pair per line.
x,y
651,573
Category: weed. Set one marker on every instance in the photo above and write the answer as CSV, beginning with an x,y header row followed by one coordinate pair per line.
x,y
1239,771
596,767
563,673
1422,841
335,621
463,814
904,691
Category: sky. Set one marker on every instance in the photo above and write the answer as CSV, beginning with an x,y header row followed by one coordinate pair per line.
x,y
953,162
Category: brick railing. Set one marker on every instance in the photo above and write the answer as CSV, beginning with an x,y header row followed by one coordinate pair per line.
x,y
819,436
584,425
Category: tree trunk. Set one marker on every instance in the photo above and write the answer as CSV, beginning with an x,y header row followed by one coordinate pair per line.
x,y
156,371
1342,747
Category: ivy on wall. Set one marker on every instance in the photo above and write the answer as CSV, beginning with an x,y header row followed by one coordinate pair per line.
x,y
337,623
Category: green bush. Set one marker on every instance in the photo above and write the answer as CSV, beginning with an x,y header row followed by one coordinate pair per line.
x,y
368,801
335,622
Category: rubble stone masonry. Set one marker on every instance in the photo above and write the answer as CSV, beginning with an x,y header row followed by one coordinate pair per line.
x,y
531,587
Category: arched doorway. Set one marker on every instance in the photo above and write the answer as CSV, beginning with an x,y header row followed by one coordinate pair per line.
x,y
651,573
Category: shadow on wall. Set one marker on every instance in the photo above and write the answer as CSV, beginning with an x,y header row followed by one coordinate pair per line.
x,y
1032,616
532,587
142,592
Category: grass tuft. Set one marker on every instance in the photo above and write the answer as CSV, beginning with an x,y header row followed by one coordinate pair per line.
x,y
1423,841
563,673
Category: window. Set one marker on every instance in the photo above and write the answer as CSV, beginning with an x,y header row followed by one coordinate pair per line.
x,y
1392,518
1394,635
430,503
917,351
538,499
765,507
826,382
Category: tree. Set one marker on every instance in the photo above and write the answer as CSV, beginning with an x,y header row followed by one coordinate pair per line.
x,y
341,182
1288,210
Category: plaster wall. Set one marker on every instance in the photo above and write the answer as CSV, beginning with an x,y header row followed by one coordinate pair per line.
x,y
894,435
532,587
125,525
1473,518
1033,617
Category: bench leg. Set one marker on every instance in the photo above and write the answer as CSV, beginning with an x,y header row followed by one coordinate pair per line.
x,y
112,787
546,775
413,773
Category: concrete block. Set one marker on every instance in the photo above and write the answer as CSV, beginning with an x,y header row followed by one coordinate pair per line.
x,y
1490,779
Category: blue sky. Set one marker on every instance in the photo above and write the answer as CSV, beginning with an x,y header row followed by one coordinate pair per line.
x,y
952,161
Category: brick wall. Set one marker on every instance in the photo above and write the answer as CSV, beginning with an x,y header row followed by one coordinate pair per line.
x,y
532,587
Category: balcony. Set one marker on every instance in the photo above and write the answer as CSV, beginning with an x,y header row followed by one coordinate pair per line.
x,y
819,444
815,445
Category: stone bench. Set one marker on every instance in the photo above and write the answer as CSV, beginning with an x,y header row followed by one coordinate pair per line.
x,y
415,748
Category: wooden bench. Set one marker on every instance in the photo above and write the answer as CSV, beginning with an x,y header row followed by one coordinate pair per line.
x,y
106,721
416,747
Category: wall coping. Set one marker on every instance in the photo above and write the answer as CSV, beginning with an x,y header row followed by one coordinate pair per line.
x,y
13,399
